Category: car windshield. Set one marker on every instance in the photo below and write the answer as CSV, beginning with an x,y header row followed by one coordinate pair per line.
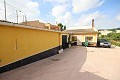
x,y
103,40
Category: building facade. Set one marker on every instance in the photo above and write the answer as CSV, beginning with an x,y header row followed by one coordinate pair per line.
x,y
79,36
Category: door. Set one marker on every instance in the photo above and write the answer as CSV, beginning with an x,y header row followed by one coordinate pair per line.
x,y
64,41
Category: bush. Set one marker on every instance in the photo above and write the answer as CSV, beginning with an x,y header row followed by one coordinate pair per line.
x,y
114,36
115,43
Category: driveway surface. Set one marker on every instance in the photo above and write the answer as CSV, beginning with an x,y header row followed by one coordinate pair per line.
x,y
74,63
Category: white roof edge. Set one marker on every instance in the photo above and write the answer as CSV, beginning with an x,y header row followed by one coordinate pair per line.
x,y
95,29
84,27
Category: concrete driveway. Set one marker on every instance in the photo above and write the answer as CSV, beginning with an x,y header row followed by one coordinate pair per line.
x,y
75,63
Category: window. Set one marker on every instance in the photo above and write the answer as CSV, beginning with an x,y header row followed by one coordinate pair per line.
x,y
89,38
103,40
74,38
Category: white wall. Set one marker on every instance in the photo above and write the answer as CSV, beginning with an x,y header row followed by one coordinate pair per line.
x,y
79,39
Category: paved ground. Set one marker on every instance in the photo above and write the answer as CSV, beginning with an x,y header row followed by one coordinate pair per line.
x,y
75,63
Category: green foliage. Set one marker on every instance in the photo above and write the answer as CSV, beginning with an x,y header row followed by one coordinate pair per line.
x,y
103,36
113,30
114,36
115,43
99,33
62,27
109,35
65,27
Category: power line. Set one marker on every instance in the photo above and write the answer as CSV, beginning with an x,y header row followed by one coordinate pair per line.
x,y
17,10
12,7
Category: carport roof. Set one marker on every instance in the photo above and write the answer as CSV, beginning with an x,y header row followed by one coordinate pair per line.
x,y
83,30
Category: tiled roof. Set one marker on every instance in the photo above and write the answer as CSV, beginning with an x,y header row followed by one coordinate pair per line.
x,y
35,23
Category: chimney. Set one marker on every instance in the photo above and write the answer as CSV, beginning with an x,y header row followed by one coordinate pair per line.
x,y
93,23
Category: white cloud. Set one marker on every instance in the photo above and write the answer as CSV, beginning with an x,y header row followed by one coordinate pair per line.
x,y
56,1
66,19
58,10
118,17
27,7
84,5
61,13
85,20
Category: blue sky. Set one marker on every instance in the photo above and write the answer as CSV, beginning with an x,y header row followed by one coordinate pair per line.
x,y
72,13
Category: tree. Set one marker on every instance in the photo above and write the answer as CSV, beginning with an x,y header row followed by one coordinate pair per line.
x,y
102,36
65,27
62,27
113,30
109,34
114,36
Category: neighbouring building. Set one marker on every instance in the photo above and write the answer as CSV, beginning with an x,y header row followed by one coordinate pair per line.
x,y
104,32
117,31
34,23
38,24
51,26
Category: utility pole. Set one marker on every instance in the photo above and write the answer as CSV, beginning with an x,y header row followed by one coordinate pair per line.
x,y
5,9
17,15
25,19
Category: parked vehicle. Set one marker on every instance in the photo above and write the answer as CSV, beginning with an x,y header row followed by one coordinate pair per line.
x,y
103,43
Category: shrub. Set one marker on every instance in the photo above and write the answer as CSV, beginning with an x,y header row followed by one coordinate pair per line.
x,y
115,43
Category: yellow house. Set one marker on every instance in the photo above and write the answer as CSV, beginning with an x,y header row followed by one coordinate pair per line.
x,y
80,34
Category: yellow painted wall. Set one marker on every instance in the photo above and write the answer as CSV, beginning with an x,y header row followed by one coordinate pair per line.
x,y
17,43
60,39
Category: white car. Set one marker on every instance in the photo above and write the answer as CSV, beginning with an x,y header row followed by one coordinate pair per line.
x,y
103,43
